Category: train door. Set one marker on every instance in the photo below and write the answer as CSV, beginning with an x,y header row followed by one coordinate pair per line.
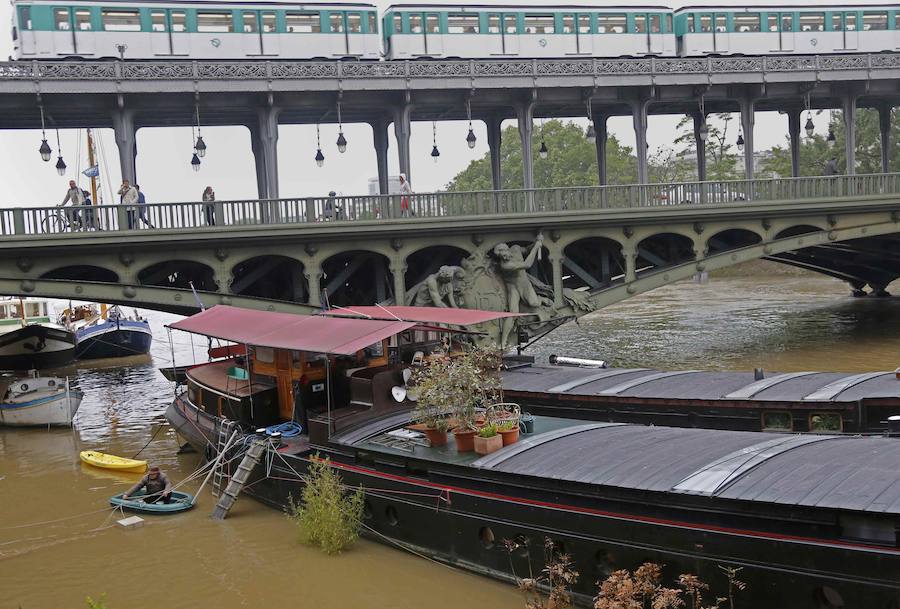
x,y
63,32
787,31
721,39
584,34
84,31
510,30
655,36
160,36
269,33
353,30
851,31
181,39
26,31
252,36
434,42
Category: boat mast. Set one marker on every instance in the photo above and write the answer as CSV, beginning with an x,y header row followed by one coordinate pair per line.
x,y
94,199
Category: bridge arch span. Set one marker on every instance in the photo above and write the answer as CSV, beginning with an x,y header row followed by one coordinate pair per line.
x,y
798,229
82,272
359,276
593,262
427,260
271,276
662,250
730,239
179,274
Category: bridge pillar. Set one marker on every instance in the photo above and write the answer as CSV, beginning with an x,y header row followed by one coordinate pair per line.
x,y
794,135
525,115
848,105
402,131
748,119
599,119
639,118
629,254
398,272
699,119
494,140
380,136
556,262
265,147
884,124
125,132
313,274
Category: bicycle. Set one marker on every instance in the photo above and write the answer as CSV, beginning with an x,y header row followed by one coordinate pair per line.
x,y
59,221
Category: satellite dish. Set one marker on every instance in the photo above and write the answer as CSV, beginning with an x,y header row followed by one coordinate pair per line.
x,y
407,374
399,393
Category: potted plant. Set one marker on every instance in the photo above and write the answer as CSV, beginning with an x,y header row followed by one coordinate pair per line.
x,y
436,431
488,440
509,431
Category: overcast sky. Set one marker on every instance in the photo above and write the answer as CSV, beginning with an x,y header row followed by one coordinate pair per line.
x,y
163,161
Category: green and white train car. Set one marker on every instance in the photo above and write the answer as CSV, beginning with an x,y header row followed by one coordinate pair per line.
x,y
196,29
766,30
552,31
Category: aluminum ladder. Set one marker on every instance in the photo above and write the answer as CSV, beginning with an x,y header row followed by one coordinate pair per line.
x,y
225,429
239,479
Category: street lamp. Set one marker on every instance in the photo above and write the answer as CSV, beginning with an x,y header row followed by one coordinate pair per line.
x,y
470,138
320,158
341,140
195,162
199,145
740,142
60,163
45,150
543,152
810,128
435,153
590,133
831,139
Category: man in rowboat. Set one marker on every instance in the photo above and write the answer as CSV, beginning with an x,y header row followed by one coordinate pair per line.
x,y
157,485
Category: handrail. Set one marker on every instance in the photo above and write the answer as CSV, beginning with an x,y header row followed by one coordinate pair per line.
x,y
196,215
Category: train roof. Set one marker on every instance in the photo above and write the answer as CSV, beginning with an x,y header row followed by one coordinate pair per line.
x,y
527,7
792,7
218,3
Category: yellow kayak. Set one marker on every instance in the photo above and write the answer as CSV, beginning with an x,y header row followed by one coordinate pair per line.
x,y
98,459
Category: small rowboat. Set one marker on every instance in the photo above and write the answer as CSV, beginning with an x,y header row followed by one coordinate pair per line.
x,y
135,503
122,464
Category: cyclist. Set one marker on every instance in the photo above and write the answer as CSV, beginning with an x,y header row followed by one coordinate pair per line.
x,y
75,196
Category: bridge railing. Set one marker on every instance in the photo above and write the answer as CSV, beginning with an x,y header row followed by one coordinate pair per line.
x,y
199,215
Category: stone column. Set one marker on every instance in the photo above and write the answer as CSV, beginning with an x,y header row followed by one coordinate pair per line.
x,y
259,160
494,141
639,118
125,131
794,116
884,124
556,261
848,105
398,272
748,119
525,115
629,253
699,119
402,131
268,144
599,120
313,274
380,136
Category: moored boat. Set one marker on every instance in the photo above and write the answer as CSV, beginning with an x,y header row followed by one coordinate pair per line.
x,y
116,335
179,502
810,518
28,340
38,401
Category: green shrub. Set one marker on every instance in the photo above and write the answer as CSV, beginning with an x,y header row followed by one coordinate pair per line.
x,y
507,425
326,516
488,431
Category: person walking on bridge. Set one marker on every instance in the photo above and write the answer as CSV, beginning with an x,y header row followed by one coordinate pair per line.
x,y
142,207
128,196
209,196
405,192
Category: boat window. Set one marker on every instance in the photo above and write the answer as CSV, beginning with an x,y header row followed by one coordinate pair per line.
x,y
611,24
34,309
415,24
640,24
336,23
568,24
373,23
376,350
303,23
158,21
584,24
214,22
813,22
265,355
193,394
83,20
61,19
432,24
121,21
746,23
268,23
494,24
706,24
509,24
777,421
250,25
539,24
868,528
825,421
462,24
875,21
179,21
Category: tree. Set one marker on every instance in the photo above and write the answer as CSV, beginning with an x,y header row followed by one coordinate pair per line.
x,y
571,161
721,160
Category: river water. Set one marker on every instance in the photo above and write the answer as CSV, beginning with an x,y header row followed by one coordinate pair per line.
x,y
57,545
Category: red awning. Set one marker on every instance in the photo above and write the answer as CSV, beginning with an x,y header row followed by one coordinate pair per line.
x,y
428,315
344,336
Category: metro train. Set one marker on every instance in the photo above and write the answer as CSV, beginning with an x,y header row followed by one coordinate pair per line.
x,y
210,30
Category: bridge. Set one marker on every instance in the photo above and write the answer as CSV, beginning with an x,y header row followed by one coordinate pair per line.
x,y
261,95
600,245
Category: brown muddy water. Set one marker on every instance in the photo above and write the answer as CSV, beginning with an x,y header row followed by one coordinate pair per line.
x,y
57,543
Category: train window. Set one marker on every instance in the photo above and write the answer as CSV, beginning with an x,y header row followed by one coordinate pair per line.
x,y
611,24
461,24
746,22
179,21
875,21
850,22
432,24
640,24
158,21
304,23
584,24
61,19
83,20
268,23
336,23
812,22
777,421
494,24
415,24
654,24
706,24
354,23
509,24
691,23
787,23
773,23
721,23
669,29
825,421
25,17
398,24
250,24
896,21
568,24
539,24
121,21
373,23
214,22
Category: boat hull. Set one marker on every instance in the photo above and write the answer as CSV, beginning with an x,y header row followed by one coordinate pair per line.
x,y
36,347
57,409
112,462
113,339
135,503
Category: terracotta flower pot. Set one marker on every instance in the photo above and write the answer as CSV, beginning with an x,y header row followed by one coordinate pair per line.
x,y
510,436
485,446
465,440
436,437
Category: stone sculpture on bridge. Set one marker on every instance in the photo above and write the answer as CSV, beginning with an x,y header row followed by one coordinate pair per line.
x,y
438,289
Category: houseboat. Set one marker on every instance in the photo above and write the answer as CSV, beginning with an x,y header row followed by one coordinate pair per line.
x,y
812,519
109,333
36,401
29,340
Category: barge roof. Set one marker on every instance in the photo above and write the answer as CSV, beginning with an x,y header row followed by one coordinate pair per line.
x,y
644,383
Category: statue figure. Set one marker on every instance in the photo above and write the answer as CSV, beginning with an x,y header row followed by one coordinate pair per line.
x,y
438,289
513,267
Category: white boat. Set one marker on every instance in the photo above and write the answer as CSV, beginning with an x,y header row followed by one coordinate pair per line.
x,y
37,401
28,339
